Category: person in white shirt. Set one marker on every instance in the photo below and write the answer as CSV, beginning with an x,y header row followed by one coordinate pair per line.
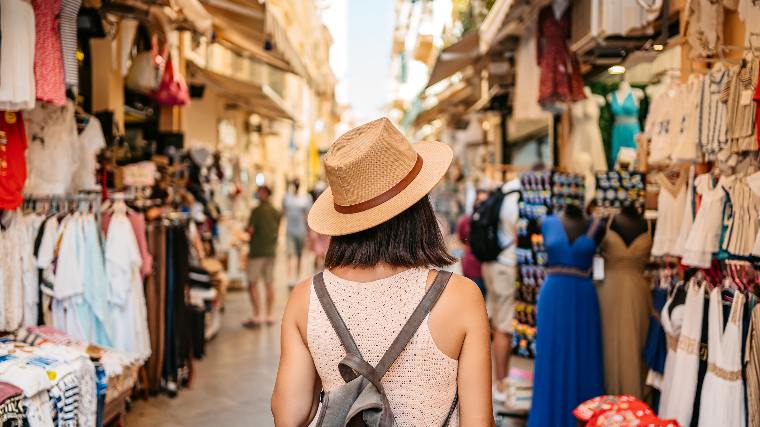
x,y
499,277
295,207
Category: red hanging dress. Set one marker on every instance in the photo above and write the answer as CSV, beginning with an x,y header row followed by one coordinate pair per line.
x,y
12,160
48,57
560,73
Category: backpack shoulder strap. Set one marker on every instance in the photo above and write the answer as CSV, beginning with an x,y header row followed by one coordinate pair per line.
x,y
415,320
335,318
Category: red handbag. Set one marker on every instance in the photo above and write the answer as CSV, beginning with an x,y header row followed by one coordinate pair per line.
x,y
172,90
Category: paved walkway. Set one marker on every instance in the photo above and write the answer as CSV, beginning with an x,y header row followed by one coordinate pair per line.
x,y
233,383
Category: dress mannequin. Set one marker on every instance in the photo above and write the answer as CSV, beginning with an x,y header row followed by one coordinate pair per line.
x,y
624,89
626,249
586,146
589,95
624,103
629,224
576,223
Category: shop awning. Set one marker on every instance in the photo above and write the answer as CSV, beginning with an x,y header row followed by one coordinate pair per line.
x,y
196,15
454,100
455,58
506,18
259,99
250,26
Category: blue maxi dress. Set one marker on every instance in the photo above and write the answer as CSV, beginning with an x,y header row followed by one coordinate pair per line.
x,y
568,365
626,126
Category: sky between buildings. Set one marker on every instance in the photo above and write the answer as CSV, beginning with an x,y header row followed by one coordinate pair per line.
x,y
362,31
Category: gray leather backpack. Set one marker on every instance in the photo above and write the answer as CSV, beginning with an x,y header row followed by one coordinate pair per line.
x,y
362,402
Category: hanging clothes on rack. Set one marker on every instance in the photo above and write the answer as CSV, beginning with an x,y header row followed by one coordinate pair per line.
x,y
155,298
68,24
91,140
672,317
683,388
705,235
53,153
741,115
48,60
17,55
11,273
12,159
685,143
671,202
742,225
722,400
664,122
752,363
712,133
129,324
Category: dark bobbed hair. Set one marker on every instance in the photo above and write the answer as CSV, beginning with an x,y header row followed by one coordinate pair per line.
x,y
410,239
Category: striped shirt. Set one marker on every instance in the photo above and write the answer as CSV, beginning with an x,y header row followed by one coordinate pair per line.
x,y
68,22
741,110
712,133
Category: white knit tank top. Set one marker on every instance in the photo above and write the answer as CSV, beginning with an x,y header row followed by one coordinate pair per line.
x,y
421,384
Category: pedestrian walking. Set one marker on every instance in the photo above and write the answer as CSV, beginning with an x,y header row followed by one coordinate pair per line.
x,y
263,226
295,206
471,265
414,340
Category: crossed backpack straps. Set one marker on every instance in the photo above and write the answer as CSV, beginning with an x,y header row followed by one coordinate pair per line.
x,y
354,364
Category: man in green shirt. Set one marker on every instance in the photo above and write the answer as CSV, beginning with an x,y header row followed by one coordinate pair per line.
x,y
263,226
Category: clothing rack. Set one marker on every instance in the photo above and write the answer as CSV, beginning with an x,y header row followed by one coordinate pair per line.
x,y
85,196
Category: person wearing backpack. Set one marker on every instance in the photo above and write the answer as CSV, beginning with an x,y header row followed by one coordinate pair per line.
x,y
382,337
493,239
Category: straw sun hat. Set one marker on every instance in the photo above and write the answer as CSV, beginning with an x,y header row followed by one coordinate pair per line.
x,y
374,174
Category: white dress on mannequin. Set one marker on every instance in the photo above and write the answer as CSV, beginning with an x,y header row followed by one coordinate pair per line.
x,y
586,137
722,402
671,320
680,400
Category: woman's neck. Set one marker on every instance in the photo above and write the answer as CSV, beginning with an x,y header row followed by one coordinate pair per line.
x,y
367,274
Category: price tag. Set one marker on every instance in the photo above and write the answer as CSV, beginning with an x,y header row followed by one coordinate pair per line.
x,y
598,268
746,97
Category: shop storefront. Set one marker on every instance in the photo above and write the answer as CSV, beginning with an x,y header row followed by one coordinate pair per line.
x,y
132,137
642,119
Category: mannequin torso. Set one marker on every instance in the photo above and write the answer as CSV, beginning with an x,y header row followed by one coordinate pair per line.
x,y
629,224
624,90
576,224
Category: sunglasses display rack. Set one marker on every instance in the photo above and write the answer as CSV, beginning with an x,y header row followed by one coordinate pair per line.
x,y
542,193
618,189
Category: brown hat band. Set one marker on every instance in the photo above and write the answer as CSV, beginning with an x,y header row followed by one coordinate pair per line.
x,y
385,196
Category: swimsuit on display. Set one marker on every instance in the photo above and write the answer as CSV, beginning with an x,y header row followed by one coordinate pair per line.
x,y
626,126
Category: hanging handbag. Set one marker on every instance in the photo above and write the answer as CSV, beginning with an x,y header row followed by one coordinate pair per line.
x,y
172,91
145,72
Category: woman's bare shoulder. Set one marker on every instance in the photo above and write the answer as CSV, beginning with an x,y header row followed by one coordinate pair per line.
x,y
460,309
297,309
463,293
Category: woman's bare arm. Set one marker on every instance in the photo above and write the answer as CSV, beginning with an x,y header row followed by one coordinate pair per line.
x,y
460,328
294,400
